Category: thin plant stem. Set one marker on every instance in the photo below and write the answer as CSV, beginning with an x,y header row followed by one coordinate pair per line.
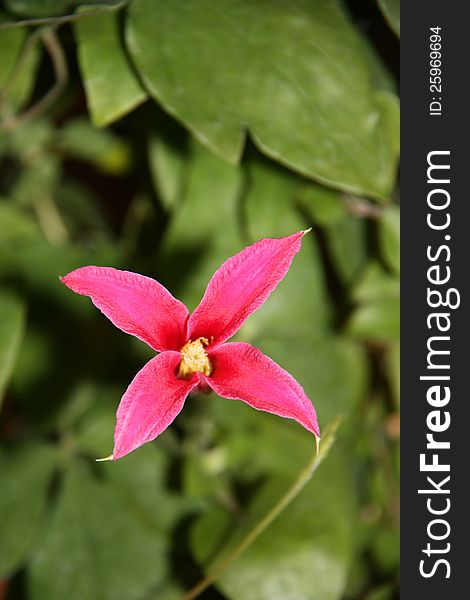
x,y
64,19
303,478
360,207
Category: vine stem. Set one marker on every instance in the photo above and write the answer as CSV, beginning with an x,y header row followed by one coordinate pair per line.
x,y
62,20
303,478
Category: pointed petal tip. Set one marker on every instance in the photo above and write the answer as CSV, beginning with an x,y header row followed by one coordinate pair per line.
x,y
68,279
305,231
106,458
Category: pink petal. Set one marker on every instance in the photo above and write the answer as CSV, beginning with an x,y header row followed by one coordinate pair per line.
x,y
151,403
242,372
240,286
136,304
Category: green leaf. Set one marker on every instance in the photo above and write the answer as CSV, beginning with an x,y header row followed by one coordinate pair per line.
x,y
25,477
389,232
377,317
16,226
80,209
386,549
391,12
96,545
308,547
322,204
37,361
20,56
34,187
90,412
347,241
111,87
102,148
294,74
140,479
12,319
167,166
377,320
376,284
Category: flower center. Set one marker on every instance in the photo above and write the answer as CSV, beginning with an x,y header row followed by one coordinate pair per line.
x,y
194,359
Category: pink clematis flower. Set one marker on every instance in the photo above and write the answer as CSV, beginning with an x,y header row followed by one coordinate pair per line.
x,y
193,350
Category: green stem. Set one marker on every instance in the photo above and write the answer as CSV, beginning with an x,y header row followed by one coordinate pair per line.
x,y
304,477
57,21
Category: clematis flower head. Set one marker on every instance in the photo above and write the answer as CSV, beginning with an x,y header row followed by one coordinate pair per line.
x,y
193,352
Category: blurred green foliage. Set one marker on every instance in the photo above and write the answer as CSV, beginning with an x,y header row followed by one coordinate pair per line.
x,y
162,137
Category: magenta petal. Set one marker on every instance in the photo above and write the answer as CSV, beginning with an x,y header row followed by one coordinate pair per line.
x,y
151,403
240,286
243,372
136,304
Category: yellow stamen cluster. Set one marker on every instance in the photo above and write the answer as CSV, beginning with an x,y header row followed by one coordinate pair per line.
x,y
194,359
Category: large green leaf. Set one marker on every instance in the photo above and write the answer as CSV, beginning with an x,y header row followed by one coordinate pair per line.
x,y
25,474
96,546
111,87
294,74
12,316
